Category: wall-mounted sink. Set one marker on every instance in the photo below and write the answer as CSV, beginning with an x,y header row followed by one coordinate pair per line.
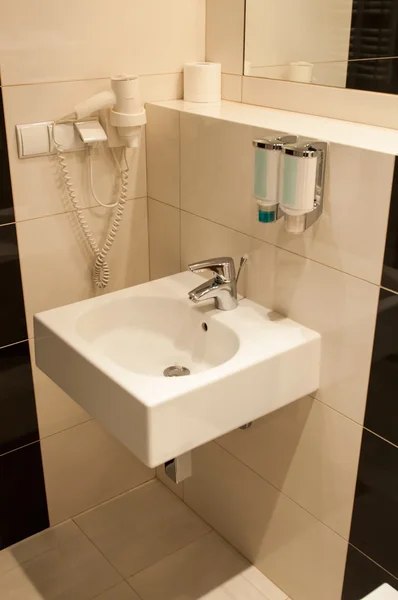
x,y
111,353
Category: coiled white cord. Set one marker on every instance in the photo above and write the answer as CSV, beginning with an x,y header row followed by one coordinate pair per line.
x,y
101,273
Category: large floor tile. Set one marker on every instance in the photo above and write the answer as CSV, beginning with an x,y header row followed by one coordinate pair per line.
x,y
122,591
38,185
56,411
57,564
94,467
217,184
208,568
308,451
141,527
296,551
164,239
163,154
135,43
57,266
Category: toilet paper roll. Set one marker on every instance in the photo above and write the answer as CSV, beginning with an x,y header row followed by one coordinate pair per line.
x,y
202,82
301,71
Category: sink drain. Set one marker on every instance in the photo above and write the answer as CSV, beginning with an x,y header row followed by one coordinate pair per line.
x,y
176,371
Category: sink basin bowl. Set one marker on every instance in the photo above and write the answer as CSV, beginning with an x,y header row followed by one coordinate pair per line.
x,y
112,355
147,334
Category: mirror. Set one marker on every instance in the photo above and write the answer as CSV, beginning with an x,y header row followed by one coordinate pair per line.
x,y
341,43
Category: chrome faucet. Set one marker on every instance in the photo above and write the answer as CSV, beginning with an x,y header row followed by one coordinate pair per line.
x,y
223,287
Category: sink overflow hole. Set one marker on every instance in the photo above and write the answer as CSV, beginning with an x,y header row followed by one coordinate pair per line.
x,y
176,371
205,326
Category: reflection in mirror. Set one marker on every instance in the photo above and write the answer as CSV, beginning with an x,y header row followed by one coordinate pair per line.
x,y
341,43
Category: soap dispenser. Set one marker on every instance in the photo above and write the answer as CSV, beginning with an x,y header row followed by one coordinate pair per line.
x,y
267,160
301,184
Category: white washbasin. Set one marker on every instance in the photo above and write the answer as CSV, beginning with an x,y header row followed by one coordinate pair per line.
x,y
109,354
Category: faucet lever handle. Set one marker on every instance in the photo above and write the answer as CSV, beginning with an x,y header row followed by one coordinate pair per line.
x,y
223,267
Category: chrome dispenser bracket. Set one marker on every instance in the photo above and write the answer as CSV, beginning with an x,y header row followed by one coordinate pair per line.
x,y
300,223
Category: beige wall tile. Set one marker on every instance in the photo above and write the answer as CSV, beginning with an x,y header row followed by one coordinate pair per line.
x,y
56,266
97,39
155,88
163,154
310,453
139,528
57,563
217,171
84,466
56,411
343,310
225,33
350,105
208,568
164,239
231,87
217,182
176,488
38,185
340,307
350,235
297,552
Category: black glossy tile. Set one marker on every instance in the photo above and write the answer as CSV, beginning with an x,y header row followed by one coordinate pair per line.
x,y
382,403
12,310
390,267
23,504
374,528
379,75
374,29
6,203
18,421
363,576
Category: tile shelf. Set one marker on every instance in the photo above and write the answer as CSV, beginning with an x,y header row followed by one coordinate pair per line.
x,y
346,133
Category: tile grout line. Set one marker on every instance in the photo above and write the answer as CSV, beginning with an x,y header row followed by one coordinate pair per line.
x,y
257,239
68,212
87,510
126,578
213,530
14,343
99,550
178,549
373,561
82,80
282,492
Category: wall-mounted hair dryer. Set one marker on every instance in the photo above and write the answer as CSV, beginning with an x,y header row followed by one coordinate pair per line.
x,y
127,112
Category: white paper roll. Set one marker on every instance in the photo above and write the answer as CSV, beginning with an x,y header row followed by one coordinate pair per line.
x,y
301,71
202,82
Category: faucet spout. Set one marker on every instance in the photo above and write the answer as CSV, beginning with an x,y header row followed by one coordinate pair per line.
x,y
222,287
